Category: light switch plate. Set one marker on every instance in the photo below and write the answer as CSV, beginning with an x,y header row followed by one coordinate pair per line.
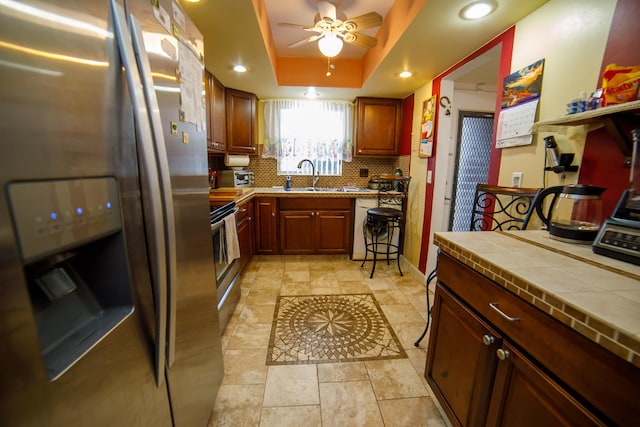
x,y
516,179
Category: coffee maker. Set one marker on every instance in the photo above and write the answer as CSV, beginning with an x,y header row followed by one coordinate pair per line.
x,y
619,237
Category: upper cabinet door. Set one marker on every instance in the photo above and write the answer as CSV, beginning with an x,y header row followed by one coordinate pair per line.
x,y
216,117
378,126
241,121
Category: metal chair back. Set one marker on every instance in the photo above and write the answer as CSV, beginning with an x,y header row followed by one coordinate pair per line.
x,y
501,208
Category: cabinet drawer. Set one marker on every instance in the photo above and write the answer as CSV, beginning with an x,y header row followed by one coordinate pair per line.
x,y
244,211
314,203
607,382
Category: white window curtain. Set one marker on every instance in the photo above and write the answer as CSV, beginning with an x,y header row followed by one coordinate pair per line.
x,y
320,131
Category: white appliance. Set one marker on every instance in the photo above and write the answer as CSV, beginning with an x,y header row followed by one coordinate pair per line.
x,y
362,205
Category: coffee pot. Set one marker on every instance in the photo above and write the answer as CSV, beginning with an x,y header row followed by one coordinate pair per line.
x,y
574,214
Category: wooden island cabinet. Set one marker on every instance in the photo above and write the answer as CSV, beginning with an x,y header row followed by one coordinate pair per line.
x,y
495,359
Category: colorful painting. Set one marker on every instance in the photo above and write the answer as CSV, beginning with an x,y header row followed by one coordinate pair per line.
x,y
427,127
522,86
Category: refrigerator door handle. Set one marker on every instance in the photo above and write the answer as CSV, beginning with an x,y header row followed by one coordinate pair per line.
x,y
157,237
153,110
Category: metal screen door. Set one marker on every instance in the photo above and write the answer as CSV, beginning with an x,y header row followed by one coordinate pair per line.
x,y
472,165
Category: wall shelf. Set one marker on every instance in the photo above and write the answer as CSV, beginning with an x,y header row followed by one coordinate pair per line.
x,y
613,118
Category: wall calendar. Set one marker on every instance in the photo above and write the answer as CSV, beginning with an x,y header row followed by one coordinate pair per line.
x,y
520,96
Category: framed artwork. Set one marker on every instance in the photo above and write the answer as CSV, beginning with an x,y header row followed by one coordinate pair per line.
x,y
427,127
523,86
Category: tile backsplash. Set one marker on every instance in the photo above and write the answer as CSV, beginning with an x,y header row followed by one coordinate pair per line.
x,y
265,171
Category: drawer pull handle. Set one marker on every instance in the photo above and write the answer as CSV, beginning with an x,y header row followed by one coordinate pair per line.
x,y
503,354
494,305
488,339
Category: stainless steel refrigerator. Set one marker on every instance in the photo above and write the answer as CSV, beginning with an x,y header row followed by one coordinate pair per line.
x,y
107,284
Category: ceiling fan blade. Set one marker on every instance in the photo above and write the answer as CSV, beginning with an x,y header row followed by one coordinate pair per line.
x,y
307,40
360,39
298,26
368,20
326,9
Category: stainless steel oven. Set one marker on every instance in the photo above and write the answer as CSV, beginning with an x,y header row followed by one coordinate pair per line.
x,y
226,266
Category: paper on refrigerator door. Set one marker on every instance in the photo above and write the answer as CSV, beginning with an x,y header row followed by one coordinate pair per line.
x,y
191,105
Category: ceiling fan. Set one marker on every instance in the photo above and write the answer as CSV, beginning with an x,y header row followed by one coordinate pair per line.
x,y
333,31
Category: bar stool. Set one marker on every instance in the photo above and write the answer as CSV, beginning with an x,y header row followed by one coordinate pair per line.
x,y
384,228
494,208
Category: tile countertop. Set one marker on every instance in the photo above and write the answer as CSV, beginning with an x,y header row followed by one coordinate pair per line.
x,y
598,297
240,195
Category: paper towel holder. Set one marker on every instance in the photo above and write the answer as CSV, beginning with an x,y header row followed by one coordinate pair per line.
x,y
236,161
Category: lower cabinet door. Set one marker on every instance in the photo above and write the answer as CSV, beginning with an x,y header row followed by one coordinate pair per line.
x,y
524,396
333,232
461,360
296,232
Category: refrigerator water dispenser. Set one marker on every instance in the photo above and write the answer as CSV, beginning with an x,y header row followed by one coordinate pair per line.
x,y
72,246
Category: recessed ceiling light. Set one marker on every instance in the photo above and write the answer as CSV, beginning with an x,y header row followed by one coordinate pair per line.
x,y
405,74
311,93
478,9
240,68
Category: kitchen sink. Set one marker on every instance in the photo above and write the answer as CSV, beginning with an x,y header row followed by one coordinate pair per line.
x,y
326,190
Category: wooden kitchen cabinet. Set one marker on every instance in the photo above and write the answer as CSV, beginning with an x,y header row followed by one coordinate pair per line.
x,y
378,126
241,121
266,220
244,225
487,368
216,117
523,395
315,226
465,371
460,365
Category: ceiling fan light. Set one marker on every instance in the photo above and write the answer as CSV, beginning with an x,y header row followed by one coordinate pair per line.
x,y
478,9
311,93
330,45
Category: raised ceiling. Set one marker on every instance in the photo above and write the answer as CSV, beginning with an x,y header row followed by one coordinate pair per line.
x,y
423,36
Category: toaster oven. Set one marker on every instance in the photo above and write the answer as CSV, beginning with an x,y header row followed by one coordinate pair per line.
x,y
236,178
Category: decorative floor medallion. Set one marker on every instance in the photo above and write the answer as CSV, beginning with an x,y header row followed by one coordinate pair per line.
x,y
330,328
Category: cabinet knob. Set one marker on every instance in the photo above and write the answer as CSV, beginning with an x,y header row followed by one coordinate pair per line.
x,y
503,354
273,214
488,339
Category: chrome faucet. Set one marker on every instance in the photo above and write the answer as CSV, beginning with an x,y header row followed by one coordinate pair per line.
x,y
315,178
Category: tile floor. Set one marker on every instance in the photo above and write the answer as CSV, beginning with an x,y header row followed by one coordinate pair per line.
x,y
369,393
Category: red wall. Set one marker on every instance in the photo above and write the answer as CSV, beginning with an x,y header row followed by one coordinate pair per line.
x,y
602,162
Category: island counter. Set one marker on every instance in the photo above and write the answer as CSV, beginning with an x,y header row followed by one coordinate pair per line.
x,y
533,331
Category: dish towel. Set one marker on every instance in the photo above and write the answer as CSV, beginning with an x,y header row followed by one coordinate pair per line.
x,y
231,238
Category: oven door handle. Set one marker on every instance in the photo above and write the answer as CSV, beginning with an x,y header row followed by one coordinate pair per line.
x,y
216,225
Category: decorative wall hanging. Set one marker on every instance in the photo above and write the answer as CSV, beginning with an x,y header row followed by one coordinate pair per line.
x,y
520,96
445,103
427,127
